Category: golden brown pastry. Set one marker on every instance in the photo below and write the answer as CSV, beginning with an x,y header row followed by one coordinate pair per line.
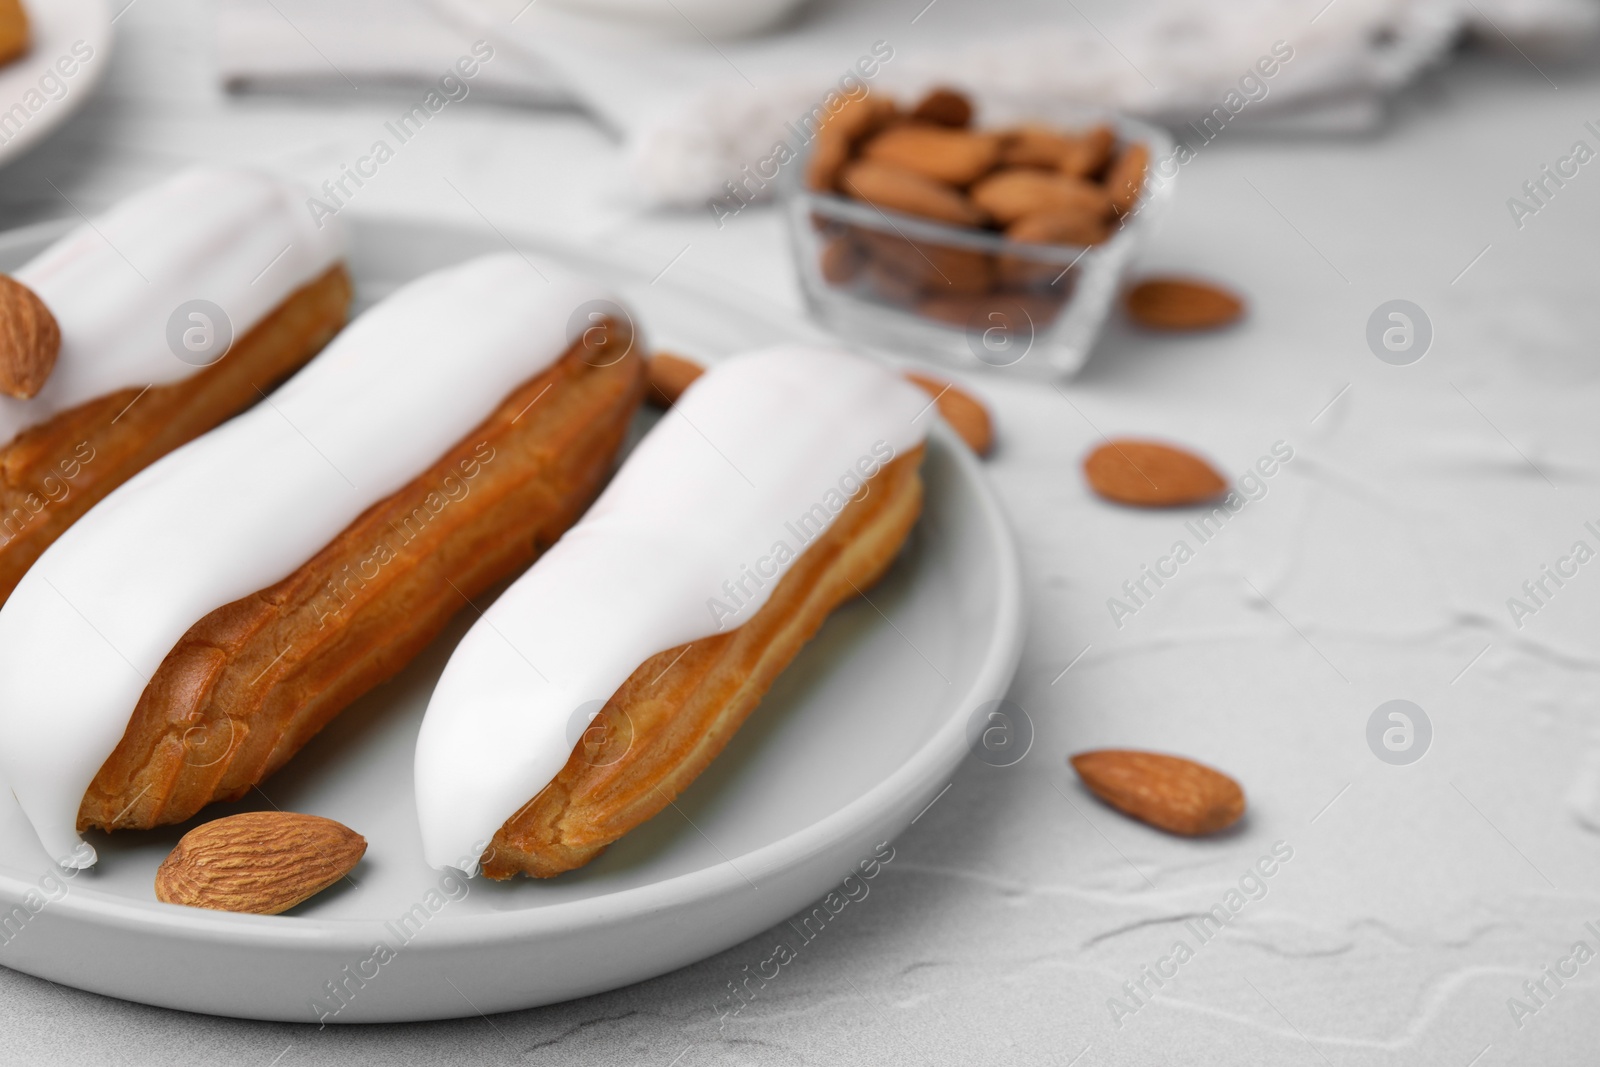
x,y
683,705
181,306
14,32
52,473
603,682
253,681
197,626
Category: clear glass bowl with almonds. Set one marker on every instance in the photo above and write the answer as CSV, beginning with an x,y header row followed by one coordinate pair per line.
x,y
998,247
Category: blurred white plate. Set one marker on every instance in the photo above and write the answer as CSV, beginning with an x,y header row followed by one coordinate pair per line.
x,y
856,738
689,18
35,82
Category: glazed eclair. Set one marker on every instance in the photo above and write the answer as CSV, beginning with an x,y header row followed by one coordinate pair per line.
x,y
780,485
198,626
143,329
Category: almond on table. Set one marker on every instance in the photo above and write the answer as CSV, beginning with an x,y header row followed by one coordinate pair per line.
x,y
1168,792
1151,475
1182,304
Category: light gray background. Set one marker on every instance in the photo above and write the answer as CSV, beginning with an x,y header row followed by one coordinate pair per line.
x,y
1418,899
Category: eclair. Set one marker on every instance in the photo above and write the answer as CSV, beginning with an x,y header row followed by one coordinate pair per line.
x,y
781,484
198,626
143,329
15,35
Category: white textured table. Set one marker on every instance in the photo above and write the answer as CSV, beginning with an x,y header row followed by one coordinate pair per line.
x,y
1418,900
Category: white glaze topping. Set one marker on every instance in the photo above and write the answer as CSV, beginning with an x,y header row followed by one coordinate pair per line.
x,y
239,239
762,450
242,507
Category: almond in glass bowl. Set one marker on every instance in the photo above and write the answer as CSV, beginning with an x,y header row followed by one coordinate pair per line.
x,y
916,231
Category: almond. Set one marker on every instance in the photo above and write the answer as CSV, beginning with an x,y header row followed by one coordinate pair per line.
x,y
1035,146
955,157
1168,792
1018,315
1060,228
859,117
826,160
930,267
1151,475
261,862
1089,153
840,260
965,413
890,287
894,189
1182,304
944,107
668,376
1012,193
1125,179
29,339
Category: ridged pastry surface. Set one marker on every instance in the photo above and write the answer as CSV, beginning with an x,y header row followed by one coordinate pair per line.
x,y
678,710
254,680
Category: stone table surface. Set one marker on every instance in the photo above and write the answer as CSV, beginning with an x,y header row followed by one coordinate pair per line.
x,y
1435,912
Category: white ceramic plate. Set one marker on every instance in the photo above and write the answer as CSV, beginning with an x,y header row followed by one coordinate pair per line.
x,y
64,31
861,733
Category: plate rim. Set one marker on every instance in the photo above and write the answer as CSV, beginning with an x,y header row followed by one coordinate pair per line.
x,y
88,19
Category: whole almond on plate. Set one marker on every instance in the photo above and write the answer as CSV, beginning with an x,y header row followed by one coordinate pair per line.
x,y
1016,192
944,107
1182,304
668,376
955,157
965,414
1168,792
261,862
1150,474
29,339
895,189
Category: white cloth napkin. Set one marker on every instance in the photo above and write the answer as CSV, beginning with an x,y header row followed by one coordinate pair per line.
x,y
695,110
336,46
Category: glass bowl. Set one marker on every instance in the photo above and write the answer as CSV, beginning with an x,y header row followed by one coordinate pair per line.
x,y
964,297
